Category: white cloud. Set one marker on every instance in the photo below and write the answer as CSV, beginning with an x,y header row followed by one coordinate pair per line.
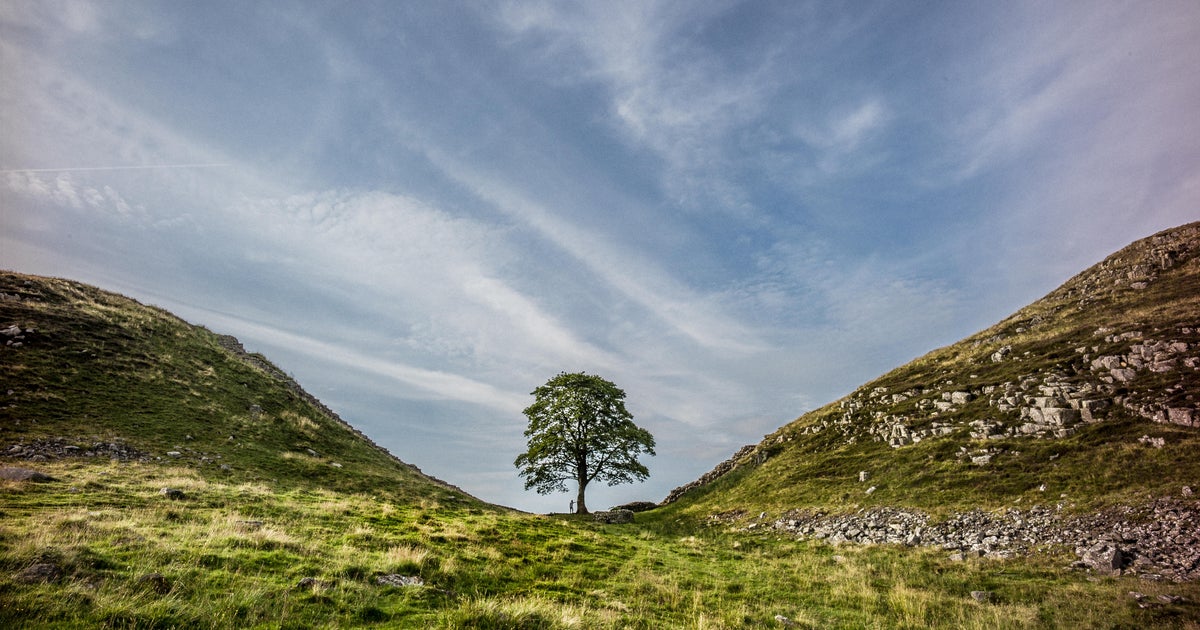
x,y
667,93
633,275
63,190
421,383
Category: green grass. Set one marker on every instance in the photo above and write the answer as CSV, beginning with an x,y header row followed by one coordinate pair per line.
x,y
487,568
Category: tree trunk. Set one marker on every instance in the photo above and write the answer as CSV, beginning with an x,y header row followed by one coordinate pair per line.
x,y
580,506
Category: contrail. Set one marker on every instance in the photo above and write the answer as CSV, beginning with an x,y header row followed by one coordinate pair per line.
x,y
108,168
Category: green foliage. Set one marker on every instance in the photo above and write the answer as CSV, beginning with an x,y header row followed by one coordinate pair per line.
x,y
580,430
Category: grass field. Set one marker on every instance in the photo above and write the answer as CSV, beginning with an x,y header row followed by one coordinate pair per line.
x,y
235,555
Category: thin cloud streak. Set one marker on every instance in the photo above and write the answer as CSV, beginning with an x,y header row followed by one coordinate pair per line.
x,y
145,167
435,385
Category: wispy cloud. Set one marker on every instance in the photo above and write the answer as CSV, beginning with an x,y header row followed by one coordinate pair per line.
x,y
630,273
736,210
665,92
131,167
63,190
420,383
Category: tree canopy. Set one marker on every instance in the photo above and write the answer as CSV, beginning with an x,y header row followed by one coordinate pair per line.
x,y
579,429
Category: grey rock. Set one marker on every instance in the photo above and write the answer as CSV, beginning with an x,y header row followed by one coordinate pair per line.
x,y
1123,375
1183,416
24,474
312,583
1103,558
393,579
960,398
981,596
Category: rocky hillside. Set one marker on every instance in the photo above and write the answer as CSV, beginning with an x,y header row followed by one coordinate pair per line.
x,y
90,375
1083,403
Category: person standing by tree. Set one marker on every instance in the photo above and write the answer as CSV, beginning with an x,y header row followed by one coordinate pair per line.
x,y
579,429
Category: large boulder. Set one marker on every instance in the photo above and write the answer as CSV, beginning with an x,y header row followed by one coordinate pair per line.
x,y
1103,557
23,474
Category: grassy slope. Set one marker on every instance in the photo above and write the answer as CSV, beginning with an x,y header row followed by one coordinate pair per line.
x,y
100,367
232,553
1100,464
485,568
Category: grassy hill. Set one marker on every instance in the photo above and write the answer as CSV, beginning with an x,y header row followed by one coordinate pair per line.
x,y
193,485
1087,397
96,375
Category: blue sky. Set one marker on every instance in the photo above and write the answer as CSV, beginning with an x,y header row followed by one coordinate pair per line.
x,y
736,211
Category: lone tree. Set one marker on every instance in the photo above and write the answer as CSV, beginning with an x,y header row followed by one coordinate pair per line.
x,y
579,429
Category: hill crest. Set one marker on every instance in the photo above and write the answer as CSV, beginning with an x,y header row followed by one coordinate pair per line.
x,y
94,374
1119,341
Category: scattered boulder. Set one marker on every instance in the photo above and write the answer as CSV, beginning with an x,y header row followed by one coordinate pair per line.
x,y
393,579
1158,540
41,450
41,572
1153,442
24,474
981,596
312,583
